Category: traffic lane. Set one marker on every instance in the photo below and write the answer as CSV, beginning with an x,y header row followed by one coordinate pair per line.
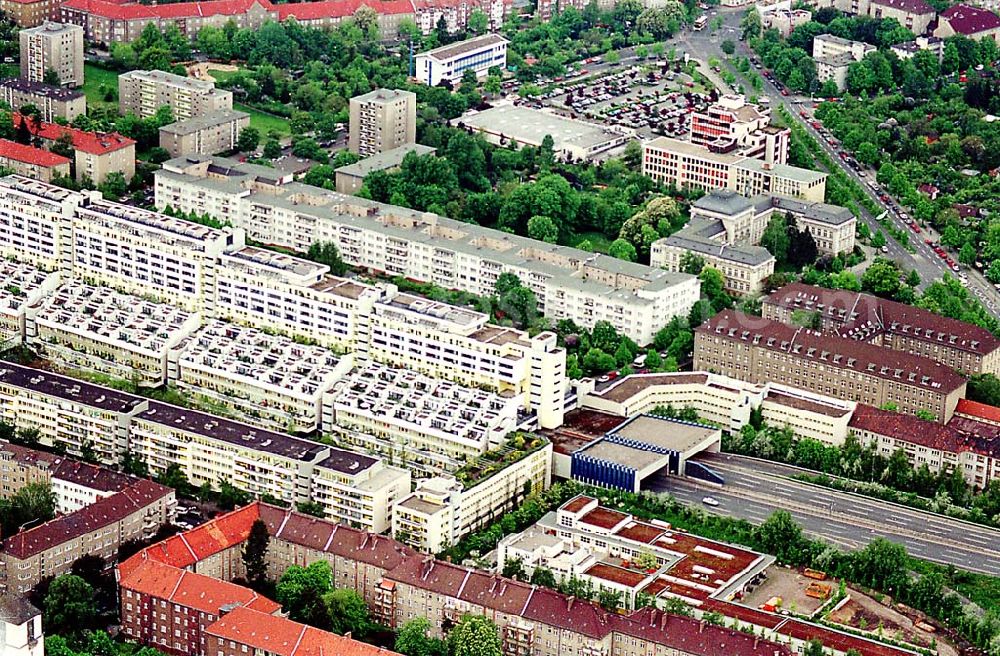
x,y
832,530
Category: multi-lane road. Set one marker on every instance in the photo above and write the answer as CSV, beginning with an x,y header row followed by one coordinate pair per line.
x,y
754,489
706,44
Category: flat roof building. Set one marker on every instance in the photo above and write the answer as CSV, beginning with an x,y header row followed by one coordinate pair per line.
x,y
449,62
53,102
573,140
381,120
23,286
52,47
208,134
142,93
349,178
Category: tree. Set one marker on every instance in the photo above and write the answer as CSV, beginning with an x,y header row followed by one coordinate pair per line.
x,y
881,278
543,228
272,149
775,237
69,605
623,250
348,612
301,590
312,508
728,47
114,186
248,140
413,639
882,565
513,568
692,263
950,59
814,648
781,536
609,600
597,362
542,576
174,476
255,553
326,252
967,254
713,287
474,635
984,388
51,77
477,22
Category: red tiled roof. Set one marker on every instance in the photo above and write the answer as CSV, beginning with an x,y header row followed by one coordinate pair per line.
x,y
970,20
495,592
95,143
283,637
866,358
131,11
22,153
304,11
576,504
564,612
101,513
907,428
690,636
197,591
978,410
918,7
836,640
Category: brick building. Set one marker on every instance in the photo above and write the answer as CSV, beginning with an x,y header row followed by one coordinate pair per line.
x,y
32,162
760,350
96,154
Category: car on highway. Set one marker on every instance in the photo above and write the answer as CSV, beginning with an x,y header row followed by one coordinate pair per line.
x,y
710,501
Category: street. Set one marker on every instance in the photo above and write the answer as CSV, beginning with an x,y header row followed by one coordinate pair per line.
x,y
754,489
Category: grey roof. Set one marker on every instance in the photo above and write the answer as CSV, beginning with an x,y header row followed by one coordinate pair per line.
x,y
162,77
205,121
723,201
531,126
69,389
781,170
751,255
388,159
16,609
822,212
385,94
462,47
839,60
41,89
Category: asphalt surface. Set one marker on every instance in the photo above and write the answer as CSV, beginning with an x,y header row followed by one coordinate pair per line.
x,y
755,489
706,44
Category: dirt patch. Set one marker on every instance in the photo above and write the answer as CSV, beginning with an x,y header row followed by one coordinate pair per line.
x,y
200,70
863,613
790,585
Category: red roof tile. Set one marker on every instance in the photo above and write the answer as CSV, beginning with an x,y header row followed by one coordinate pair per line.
x,y
690,636
978,410
95,143
564,612
197,591
906,428
131,11
969,20
21,153
918,7
838,641
304,11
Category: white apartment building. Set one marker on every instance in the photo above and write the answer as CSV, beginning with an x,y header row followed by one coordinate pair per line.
x,y
568,283
268,380
143,92
20,627
448,63
131,249
685,165
443,509
834,55
357,490
100,330
22,286
52,46
430,424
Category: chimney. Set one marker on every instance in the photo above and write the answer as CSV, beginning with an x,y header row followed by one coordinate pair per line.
x,y
756,640
701,626
426,566
569,603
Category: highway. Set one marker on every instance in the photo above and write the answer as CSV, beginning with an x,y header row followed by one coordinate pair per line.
x,y
755,489
705,45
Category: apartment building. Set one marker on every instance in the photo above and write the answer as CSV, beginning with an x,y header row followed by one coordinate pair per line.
x,y
51,548
20,627
456,13
726,228
568,283
269,380
23,286
727,402
52,46
349,178
965,20
96,154
448,63
904,328
352,487
443,509
908,49
32,162
52,102
914,15
382,120
431,425
759,350
142,93
30,13
103,331
785,20
211,133
834,56
687,166
731,124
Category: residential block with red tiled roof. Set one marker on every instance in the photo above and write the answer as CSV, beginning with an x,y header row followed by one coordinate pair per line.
x,y
965,20
32,162
96,154
760,350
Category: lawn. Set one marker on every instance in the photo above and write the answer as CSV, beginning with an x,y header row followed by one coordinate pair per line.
x,y
264,122
599,242
93,79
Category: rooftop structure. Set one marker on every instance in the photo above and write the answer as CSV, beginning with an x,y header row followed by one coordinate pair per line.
x,y
23,286
352,176
573,139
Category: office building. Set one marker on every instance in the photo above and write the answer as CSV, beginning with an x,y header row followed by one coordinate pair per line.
x,y
96,154
207,134
726,228
52,47
382,120
686,166
52,102
834,56
142,93
894,326
448,63
32,162
759,350
350,177
444,509
732,125
968,21
20,627
573,139
51,548
568,283
99,330
269,380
